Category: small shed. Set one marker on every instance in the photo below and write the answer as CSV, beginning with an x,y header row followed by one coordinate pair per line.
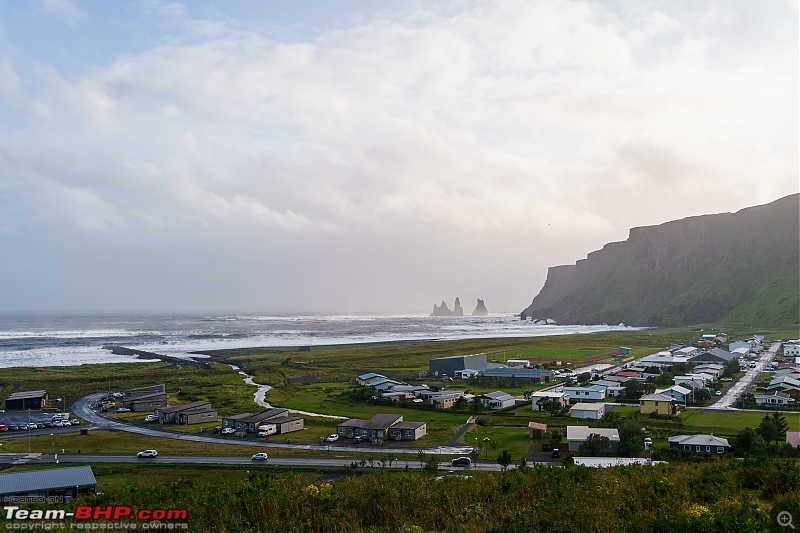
x,y
536,430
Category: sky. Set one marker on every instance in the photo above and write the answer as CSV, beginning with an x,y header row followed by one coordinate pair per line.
x,y
370,156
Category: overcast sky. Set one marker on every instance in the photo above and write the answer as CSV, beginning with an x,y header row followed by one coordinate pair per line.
x,y
370,156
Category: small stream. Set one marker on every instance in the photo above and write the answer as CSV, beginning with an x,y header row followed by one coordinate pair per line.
x,y
261,392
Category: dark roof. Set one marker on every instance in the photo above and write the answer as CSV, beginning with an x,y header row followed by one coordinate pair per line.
x,y
198,410
408,425
146,397
184,407
26,395
353,422
522,373
37,480
382,421
241,416
282,419
263,415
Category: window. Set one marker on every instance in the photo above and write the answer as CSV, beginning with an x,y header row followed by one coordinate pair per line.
x,y
687,447
708,448
720,449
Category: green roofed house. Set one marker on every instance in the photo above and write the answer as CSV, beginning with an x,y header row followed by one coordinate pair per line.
x,y
66,482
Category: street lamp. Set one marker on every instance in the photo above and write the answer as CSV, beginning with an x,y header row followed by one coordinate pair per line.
x,y
486,445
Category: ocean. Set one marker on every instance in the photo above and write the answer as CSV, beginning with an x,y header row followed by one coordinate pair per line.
x,y
66,340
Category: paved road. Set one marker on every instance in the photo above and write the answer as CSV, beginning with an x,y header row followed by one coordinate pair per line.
x,y
315,462
83,408
728,400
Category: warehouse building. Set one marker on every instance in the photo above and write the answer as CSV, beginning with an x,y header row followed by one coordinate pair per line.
x,y
22,401
447,366
65,482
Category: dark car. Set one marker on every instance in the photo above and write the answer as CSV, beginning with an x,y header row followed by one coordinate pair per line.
x,y
358,439
217,429
461,461
556,453
13,427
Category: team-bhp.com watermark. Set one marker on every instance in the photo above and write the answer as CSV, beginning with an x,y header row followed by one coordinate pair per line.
x,y
93,517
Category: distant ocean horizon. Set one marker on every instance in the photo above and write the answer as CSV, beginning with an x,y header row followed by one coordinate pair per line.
x,y
42,340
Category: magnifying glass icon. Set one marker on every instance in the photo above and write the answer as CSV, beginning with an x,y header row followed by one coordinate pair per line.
x,y
785,519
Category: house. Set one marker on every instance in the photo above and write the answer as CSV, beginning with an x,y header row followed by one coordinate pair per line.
x,y
679,393
577,435
732,347
169,414
663,358
613,388
285,424
408,431
791,350
383,384
540,397
447,366
692,381
624,350
22,401
776,399
53,482
709,368
497,400
699,443
198,415
536,430
793,438
590,392
519,362
440,400
145,402
786,385
657,403
591,411
363,379
686,351
714,355
530,374
381,427
630,374
249,422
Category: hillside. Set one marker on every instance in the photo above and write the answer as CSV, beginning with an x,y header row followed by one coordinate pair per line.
x,y
737,268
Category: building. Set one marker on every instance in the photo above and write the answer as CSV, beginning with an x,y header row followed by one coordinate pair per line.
x,y
613,388
679,393
365,378
591,411
467,373
692,381
663,358
776,399
519,362
65,482
536,430
497,400
285,424
169,414
381,427
577,435
447,366
699,443
249,422
590,392
607,462
143,391
793,438
714,355
658,403
22,401
791,350
145,398
532,374
539,398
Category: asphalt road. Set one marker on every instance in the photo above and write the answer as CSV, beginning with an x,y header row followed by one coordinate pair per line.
x,y
728,400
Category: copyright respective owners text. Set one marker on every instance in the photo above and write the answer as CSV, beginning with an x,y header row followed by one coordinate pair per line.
x,y
94,518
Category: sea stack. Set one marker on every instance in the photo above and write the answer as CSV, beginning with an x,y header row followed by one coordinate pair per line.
x,y
480,309
441,310
457,309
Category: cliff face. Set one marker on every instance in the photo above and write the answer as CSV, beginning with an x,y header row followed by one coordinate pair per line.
x,y
741,267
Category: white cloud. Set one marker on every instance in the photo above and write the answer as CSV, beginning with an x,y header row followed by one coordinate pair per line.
x,y
174,9
64,8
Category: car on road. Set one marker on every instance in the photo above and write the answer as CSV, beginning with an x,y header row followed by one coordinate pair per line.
x,y
556,453
333,437
228,431
260,456
123,410
147,453
217,429
461,461
718,393
150,418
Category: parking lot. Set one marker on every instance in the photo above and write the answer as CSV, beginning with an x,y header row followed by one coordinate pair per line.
x,y
22,418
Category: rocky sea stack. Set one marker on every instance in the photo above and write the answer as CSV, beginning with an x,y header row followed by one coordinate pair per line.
x,y
443,310
480,309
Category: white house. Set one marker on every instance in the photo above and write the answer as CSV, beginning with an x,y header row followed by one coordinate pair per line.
x,y
678,392
538,398
497,400
590,392
466,373
693,381
590,411
791,350
577,435
776,399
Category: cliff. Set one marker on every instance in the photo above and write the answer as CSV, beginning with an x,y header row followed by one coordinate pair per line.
x,y
733,267
480,309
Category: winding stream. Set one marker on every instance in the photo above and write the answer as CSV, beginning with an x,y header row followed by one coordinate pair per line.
x,y
261,392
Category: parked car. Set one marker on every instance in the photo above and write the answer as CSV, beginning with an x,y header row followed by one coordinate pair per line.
x,y
39,425
3,427
217,429
123,410
147,453
726,379
75,422
260,456
358,439
718,393
333,437
228,431
32,425
461,461
13,427
556,453
648,443
150,418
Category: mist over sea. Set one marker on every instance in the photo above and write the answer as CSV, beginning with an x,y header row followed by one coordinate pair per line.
x,y
66,340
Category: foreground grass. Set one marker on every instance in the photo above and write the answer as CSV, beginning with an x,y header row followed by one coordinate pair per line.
x,y
722,495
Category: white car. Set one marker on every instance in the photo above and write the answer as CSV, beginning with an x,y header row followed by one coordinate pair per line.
x,y
150,418
123,410
333,437
228,431
147,453
260,456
